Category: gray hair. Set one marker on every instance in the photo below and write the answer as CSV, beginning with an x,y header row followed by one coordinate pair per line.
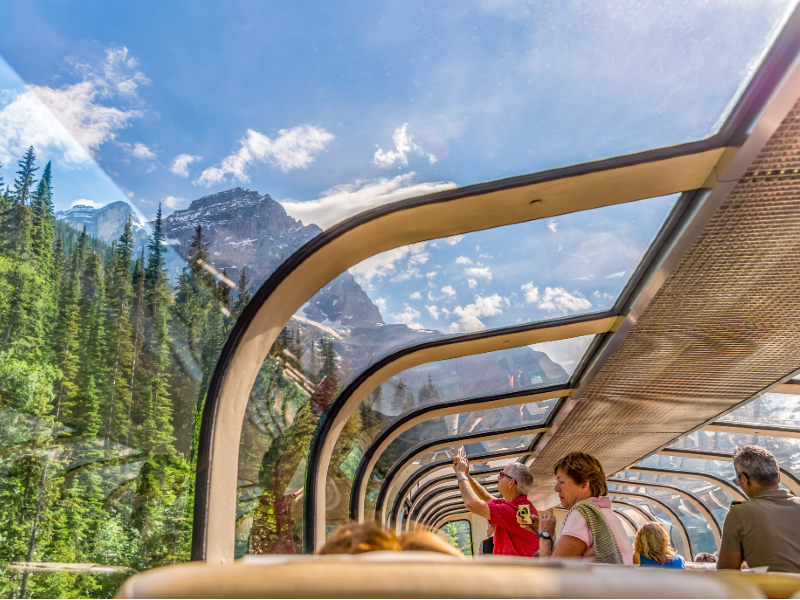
x,y
758,464
522,475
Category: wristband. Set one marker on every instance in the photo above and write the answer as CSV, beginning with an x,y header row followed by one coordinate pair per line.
x,y
463,478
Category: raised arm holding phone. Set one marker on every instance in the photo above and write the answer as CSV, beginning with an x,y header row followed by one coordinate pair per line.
x,y
513,484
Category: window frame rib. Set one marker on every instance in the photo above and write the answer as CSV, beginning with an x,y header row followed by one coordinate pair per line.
x,y
787,477
710,518
408,458
427,511
667,509
437,514
432,411
445,519
433,494
428,469
612,181
626,518
753,429
725,486
648,518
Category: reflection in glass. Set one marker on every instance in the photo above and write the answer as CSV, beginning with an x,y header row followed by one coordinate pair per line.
x,y
658,514
700,536
775,410
468,377
786,450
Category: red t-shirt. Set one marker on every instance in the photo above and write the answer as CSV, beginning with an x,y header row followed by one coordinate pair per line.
x,y
509,538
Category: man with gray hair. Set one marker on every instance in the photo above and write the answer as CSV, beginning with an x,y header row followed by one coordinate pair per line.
x,y
513,483
763,531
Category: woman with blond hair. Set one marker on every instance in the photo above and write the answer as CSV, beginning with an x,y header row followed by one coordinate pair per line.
x,y
652,549
591,530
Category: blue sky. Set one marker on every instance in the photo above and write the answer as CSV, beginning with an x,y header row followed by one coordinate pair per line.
x,y
333,108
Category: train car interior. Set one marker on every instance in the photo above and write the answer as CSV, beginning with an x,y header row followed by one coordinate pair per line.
x,y
479,237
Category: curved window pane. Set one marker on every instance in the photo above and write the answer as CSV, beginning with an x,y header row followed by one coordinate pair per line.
x,y
459,535
658,514
507,444
698,528
714,498
786,450
775,410
460,378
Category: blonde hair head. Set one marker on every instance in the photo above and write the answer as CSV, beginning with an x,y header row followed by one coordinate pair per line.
x,y
652,541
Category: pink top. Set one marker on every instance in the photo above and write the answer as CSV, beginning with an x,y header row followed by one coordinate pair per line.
x,y
575,525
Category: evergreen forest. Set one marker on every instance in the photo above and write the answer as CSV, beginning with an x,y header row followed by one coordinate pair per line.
x,y
103,370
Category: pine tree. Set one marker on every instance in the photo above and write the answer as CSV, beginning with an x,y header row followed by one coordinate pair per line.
x,y
23,185
328,355
42,224
137,326
244,294
121,335
157,426
198,256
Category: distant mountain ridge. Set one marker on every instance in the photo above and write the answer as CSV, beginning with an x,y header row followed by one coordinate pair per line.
x,y
243,229
106,223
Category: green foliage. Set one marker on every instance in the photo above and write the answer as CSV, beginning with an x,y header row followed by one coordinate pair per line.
x,y
99,360
459,535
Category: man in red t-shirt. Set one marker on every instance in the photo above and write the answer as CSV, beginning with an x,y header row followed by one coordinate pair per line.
x,y
513,483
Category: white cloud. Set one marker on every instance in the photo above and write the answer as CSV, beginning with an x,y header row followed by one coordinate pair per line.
x,y
412,273
403,143
453,239
484,306
85,202
463,260
384,264
451,293
294,148
141,151
347,200
381,304
433,311
430,275
531,292
380,265
472,283
484,272
180,164
559,300
70,120
173,202
552,225
416,296
407,317
619,275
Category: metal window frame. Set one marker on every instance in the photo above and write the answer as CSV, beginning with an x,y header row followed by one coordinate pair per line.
x,y
721,483
420,450
434,516
713,525
424,413
627,519
647,517
753,429
483,206
427,512
417,506
666,508
455,516
423,472
787,477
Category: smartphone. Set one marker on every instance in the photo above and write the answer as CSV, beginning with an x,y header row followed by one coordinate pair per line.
x,y
525,514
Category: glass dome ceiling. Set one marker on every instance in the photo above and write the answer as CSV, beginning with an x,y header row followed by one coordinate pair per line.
x,y
111,337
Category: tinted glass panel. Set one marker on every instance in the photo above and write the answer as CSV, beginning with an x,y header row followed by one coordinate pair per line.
x,y
698,528
786,450
459,535
660,515
776,410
